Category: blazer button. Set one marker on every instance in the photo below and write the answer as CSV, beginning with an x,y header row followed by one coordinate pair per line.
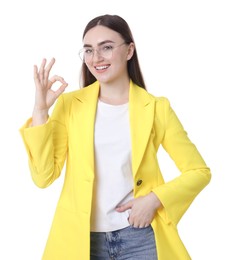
x,y
139,182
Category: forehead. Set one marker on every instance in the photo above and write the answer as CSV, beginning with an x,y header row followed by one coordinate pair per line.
x,y
99,34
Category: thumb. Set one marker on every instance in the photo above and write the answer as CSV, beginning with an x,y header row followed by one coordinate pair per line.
x,y
126,206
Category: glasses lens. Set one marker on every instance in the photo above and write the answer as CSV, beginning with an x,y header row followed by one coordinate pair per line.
x,y
104,51
81,54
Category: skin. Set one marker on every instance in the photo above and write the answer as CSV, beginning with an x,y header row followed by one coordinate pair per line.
x,y
114,89
44,95
114,80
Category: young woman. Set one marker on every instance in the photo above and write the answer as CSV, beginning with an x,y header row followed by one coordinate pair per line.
x,y
114,203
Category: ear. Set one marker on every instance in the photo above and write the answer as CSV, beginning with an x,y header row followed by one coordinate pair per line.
x,y
131,49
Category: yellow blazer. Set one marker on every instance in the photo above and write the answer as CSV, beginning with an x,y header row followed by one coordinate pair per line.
x,y
69,136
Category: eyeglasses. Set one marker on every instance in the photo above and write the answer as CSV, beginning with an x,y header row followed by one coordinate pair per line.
x,y
86,54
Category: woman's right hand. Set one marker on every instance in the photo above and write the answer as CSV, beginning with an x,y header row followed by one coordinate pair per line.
x,y
45,97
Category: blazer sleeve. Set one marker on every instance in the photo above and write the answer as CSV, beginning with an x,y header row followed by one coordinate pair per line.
x,y
46,146
177,194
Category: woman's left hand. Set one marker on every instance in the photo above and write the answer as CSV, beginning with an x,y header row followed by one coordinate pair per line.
x,y
142,210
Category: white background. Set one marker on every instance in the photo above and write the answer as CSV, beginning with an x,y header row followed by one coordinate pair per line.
x,y
185,54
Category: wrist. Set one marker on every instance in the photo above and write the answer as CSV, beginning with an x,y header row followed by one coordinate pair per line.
x,y
156,200
39,117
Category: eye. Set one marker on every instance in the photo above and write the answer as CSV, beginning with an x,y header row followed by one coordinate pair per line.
x,y
107,47
88,51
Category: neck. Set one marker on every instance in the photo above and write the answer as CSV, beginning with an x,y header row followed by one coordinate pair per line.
x,y
115,94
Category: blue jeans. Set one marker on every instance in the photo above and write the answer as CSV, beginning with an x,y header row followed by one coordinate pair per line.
x,y
125,244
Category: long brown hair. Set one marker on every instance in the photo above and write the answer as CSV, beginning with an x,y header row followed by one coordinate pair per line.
x,y
119,25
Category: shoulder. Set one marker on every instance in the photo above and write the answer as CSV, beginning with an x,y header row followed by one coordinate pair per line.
x,y
161,102
143,93
162,107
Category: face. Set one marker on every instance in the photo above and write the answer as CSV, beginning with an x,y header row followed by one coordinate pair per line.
x,y
106,54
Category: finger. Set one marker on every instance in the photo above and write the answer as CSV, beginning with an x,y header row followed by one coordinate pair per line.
x,y
60,90
55,78
48,68
133,221
122,208
142,225
135,225
41,69
139,225
35,73
130,221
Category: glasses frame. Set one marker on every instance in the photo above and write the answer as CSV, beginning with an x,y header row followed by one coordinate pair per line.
x,y
81,52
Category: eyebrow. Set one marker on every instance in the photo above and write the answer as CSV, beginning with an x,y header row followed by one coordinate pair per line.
x,y
99,44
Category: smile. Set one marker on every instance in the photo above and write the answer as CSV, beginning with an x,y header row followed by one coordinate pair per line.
x,y
101,67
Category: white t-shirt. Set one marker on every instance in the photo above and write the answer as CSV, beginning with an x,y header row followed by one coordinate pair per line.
x,y
113,178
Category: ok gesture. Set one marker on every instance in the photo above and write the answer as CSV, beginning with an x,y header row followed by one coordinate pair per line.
x,y
44,95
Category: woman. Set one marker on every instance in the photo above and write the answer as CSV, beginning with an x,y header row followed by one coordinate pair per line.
x,y
114,203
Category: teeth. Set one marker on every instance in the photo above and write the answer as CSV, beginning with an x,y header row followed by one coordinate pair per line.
x,y
101,67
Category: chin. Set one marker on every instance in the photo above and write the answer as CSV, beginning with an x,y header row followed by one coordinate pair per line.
x,y
103,80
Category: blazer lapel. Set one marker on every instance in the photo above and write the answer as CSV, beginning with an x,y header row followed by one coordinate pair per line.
x,y
141,111
85,105
141,107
